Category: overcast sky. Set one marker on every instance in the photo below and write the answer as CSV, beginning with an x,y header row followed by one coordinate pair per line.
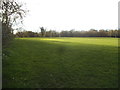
x,y
71,14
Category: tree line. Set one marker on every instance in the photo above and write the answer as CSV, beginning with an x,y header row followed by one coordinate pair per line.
x,y
70,33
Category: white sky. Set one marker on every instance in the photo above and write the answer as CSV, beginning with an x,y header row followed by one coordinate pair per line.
x,y
71,14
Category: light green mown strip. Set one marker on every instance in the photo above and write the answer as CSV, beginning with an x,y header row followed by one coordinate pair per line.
x,y
96,41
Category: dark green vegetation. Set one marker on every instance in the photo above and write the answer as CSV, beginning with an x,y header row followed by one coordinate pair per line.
x,y
61,63
71,33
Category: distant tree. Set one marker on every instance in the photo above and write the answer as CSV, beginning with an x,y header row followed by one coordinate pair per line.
x,y
55,33
49,33
119,33
30,33
36,34
19,34
113,33
102,33
71,33
43,31
27,34
64,33
93,33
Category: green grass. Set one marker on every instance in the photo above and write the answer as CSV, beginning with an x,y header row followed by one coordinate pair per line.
x,y
61,63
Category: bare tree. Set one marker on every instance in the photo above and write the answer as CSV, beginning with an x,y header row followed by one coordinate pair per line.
x,y
11,13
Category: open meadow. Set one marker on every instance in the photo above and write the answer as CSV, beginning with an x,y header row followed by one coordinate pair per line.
x,y
62,62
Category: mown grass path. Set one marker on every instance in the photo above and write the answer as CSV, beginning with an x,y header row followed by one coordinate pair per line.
x,y
61,63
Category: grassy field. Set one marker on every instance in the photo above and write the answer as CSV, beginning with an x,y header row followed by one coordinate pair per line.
x,y
61,63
